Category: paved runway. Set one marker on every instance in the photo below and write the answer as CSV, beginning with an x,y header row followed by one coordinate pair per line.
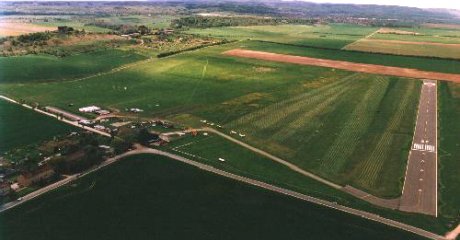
x,y
420,186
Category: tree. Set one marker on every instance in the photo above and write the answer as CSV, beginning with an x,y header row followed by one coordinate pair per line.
x,y
143,29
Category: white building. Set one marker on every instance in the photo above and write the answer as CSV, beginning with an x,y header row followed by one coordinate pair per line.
x,y
89,109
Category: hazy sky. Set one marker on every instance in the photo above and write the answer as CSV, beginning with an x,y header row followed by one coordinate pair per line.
x,y
453,4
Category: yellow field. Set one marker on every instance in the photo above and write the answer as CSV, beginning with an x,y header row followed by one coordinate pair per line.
x,y
15,28
406,48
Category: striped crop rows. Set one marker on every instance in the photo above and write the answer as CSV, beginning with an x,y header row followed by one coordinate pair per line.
x,y
274,115
373,164
354,128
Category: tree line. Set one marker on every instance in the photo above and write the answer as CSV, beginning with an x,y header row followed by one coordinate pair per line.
x,y
207,21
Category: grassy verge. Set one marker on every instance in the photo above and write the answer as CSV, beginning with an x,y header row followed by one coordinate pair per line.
x,y
449,152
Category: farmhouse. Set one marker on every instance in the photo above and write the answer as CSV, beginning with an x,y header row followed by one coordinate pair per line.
x,y
42,173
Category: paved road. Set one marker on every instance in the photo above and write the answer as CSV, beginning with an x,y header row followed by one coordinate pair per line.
x,y
420,186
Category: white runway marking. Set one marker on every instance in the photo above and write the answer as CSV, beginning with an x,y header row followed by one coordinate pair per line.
x,y
429,148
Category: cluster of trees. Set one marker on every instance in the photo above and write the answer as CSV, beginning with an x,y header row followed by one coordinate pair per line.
x,y
207,22
122,28
165,54
34,37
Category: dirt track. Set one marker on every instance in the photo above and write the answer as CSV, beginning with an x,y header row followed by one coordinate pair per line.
x,y
356,67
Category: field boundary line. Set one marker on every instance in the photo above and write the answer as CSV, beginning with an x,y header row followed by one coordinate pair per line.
x,y
113,70
364,38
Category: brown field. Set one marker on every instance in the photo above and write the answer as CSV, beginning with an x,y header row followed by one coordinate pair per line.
x,y
395,31
431,49
355,67
15,29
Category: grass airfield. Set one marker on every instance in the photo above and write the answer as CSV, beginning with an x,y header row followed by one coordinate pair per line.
x,y
307,115
285,109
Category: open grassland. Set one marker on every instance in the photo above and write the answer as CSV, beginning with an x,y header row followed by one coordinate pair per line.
x,y
20,126
194,82
210,147
32,68
427,64
406,48
449,152
154,21
329,36
146,196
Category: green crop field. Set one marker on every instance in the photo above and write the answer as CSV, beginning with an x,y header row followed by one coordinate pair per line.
x,y
330,36
449,151
424,35
382,46
20,126
154,21
181,202
32,68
